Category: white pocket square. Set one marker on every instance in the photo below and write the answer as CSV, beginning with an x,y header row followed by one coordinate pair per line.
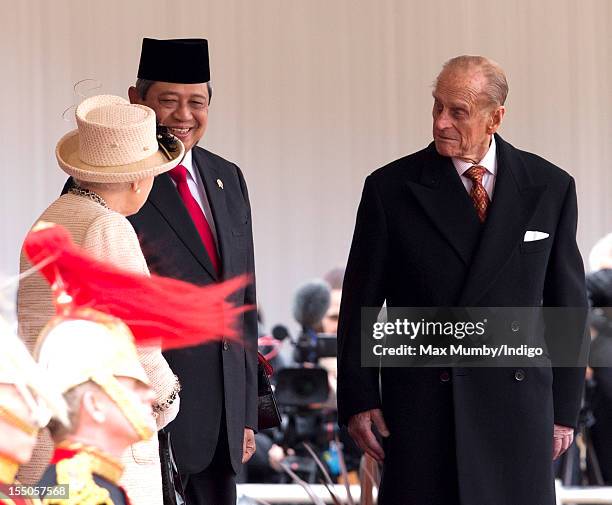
x,y
531,236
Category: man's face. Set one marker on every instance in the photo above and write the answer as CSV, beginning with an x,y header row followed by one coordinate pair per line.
x,y
330,321
183,108
463,122
14,443
141,399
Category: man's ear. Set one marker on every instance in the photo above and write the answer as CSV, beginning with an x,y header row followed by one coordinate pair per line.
x,y
496,119
133,95
91,405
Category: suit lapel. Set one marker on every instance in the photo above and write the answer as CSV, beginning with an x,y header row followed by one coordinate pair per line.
x,y
166,199
514,202
443,197
210,174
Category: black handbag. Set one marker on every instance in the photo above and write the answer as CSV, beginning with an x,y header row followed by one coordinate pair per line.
x,y
268,415
172,485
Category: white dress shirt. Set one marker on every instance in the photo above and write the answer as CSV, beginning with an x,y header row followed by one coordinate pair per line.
x,y
489,162
196,186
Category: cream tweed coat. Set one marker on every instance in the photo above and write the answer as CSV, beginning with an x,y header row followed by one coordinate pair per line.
x,y
108,236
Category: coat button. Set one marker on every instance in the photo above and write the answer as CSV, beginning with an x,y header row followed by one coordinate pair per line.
x,y
225,345
444,376
519,374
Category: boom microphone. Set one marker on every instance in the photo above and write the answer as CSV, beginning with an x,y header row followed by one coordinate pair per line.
x,y
311,302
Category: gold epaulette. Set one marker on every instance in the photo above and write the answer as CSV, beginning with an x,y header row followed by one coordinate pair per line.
x,y
77,472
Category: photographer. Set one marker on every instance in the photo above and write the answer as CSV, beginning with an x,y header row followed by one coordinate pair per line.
x,y
305,391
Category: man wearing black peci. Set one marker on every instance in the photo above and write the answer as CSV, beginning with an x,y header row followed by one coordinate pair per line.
x,y
196,226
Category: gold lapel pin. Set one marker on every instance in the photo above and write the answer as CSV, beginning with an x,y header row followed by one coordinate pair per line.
x,y
220,183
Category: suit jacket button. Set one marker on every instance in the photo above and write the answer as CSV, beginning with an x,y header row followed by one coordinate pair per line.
x,y
444,376
519,374
225,345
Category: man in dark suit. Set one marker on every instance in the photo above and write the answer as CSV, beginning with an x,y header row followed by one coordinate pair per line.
x,y
196,226
453,226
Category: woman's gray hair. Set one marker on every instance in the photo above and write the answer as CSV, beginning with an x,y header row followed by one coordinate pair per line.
x,y
496,89
142,87
103,186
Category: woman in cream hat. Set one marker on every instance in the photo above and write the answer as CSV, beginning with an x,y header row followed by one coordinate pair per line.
x,y
113,156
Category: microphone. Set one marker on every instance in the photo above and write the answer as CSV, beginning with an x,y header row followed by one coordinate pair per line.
x,y
280,332
310,303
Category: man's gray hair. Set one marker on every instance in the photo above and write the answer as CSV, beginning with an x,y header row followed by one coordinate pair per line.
x,y
142,87
496,89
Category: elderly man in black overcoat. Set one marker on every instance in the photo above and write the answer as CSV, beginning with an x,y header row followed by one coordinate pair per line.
x,y
468,221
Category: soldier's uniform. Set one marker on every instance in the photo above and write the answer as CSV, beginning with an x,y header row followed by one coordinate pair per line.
x,y
30,388
92,477
9,487
87,346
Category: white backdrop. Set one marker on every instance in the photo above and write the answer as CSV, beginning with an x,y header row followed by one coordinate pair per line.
x,y
309,97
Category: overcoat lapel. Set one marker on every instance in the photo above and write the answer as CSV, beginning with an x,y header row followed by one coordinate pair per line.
x,y
213,184
514,202
165,197
443,197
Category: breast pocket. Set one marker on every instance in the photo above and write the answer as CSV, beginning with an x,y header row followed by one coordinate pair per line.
x,y
534,246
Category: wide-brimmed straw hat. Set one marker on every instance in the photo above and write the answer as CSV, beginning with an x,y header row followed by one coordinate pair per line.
x,y
115,141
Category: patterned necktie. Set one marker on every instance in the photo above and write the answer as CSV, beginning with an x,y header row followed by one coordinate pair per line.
x,y
179,176
478,193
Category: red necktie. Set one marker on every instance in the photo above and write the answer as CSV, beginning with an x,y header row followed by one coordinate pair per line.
x,y
478,193
179,176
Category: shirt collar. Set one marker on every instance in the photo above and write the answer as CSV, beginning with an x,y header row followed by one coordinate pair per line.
x,y
489,161
188,164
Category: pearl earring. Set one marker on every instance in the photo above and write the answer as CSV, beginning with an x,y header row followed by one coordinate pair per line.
x,y
138,191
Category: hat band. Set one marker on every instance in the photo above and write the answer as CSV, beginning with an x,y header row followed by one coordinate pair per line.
x,y
117,157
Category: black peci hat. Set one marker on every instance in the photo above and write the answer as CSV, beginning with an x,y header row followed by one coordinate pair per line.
x,y
183,61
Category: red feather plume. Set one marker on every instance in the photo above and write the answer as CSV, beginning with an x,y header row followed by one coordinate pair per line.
x,y
158,310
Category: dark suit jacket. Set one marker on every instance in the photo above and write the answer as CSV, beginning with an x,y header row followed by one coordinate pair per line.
x,y
481,434
217,375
